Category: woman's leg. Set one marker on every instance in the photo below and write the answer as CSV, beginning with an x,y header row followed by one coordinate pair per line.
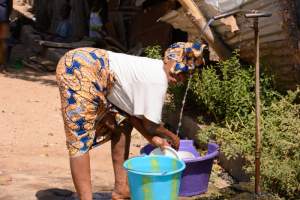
x,y
80,105
81,88
120,145
81,174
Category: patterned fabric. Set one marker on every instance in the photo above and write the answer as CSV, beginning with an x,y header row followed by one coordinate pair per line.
x,y
84,80
187,55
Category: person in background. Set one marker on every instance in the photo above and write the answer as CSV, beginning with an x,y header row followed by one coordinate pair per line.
x,y
96,23
64,27
5,11
107,93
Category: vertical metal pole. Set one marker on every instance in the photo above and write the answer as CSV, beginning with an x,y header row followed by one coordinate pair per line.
x,y
257,112
256,15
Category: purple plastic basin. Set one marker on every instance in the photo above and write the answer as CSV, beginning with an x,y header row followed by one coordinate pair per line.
x,y
196,175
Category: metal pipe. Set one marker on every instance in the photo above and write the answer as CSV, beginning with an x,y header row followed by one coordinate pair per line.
x,y
257,111
248,14
227,14
256,15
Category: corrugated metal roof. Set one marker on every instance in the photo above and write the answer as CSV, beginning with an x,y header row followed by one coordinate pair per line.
x,y
225,5
279,35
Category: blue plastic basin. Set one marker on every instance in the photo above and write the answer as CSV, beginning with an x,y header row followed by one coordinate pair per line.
x,y
154,177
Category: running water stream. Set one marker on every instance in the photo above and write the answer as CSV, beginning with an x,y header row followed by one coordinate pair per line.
x,y
189,81
183,103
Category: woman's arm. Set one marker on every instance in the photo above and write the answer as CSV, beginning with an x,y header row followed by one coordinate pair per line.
x,y
154,132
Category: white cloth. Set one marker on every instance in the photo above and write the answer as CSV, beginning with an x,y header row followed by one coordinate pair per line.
x,y
140,87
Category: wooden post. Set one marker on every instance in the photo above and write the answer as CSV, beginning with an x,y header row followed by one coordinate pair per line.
x,y
200,22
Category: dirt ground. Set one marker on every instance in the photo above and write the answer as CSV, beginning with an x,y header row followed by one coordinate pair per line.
x,y
33,157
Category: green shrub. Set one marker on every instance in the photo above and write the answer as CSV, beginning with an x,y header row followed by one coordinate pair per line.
x,y
227,92
154,52
177,93
280,128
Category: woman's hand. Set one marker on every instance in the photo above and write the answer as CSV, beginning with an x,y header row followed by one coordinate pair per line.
x,y
156,134
160,142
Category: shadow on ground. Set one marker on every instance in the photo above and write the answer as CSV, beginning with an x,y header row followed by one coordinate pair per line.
x,y
31,75
62,194
238,191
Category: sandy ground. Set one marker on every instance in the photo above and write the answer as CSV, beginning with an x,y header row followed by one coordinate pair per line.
x,y
33,157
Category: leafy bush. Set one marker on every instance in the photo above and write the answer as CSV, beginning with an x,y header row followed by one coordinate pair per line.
x,y
224,91
280,130
154,52
227,92
281,146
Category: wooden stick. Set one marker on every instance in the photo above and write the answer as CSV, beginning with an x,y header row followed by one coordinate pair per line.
x,y
66,45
